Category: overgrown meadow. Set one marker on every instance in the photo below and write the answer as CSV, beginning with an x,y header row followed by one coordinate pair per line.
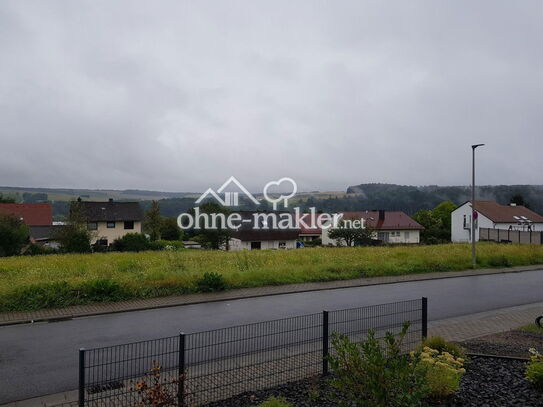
x,y
35,282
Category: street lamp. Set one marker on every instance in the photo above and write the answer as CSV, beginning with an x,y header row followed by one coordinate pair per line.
x,y
473,212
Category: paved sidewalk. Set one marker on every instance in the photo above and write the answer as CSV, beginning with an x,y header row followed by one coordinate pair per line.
x,y
12,318
485,323
454,329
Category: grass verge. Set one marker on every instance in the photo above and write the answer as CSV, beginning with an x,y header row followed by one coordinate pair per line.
x,y
532,328
31,283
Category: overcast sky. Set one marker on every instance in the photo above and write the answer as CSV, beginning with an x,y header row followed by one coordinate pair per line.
x,y
177,95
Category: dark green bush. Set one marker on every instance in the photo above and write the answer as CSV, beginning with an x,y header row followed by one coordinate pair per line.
x,y
102,290
131,242
36,249
211,282
14,235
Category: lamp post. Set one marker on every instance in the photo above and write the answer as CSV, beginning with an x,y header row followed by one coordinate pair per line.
x,y
473,212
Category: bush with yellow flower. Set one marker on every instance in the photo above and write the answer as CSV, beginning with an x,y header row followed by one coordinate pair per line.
x,y
534,369
443,371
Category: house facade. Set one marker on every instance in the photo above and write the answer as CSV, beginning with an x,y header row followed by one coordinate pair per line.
x,y
39,219
387,226
249,237
111,220
492,215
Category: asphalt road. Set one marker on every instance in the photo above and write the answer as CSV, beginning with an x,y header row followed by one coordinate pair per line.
x,y
39,359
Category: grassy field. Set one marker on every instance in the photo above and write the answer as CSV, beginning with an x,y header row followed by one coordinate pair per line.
x,y
28,283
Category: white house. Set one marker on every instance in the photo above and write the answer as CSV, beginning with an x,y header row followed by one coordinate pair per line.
x,y
388,226
492,215
248,237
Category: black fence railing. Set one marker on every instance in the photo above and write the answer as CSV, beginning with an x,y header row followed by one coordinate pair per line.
x,y
203,367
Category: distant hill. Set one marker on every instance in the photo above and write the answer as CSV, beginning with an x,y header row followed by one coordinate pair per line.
x,y
413,198
67,194
407,198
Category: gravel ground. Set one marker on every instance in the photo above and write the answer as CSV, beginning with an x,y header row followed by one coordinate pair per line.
x,y
488,382
510,343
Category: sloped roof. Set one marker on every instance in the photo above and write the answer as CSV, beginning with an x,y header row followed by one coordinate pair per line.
x,y
112,211
45,232
247,232
38,214
393,220
505,213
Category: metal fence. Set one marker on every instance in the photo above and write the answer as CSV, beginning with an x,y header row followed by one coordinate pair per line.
x,y
204,367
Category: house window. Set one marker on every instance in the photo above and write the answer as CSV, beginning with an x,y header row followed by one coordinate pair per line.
x,y
129,224
101,242
406,235
464,221
111,225
92,225
256,245
282,245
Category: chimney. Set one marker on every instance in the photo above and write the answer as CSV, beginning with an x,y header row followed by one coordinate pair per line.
x,y
110,199
381,214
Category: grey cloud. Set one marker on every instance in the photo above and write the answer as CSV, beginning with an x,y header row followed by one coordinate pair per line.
x,y
179,95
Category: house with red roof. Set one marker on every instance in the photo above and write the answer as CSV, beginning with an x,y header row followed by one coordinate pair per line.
x,y
38,214
388,227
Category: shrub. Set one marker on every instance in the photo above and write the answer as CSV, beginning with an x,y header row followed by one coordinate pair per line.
x,y
373,375
275,402
101,290
169,229
210,282
36,249
443,371
441,345
73,240
155,390
131,242
534,369
13,235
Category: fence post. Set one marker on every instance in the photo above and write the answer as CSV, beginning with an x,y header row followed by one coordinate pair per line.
x,y
181,371
325,343
424,317
81,377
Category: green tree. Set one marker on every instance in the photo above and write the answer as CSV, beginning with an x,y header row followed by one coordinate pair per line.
x,y
14,235
518,199
351,236
212,238
6,199
152,222
74,237
436,222
170,230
